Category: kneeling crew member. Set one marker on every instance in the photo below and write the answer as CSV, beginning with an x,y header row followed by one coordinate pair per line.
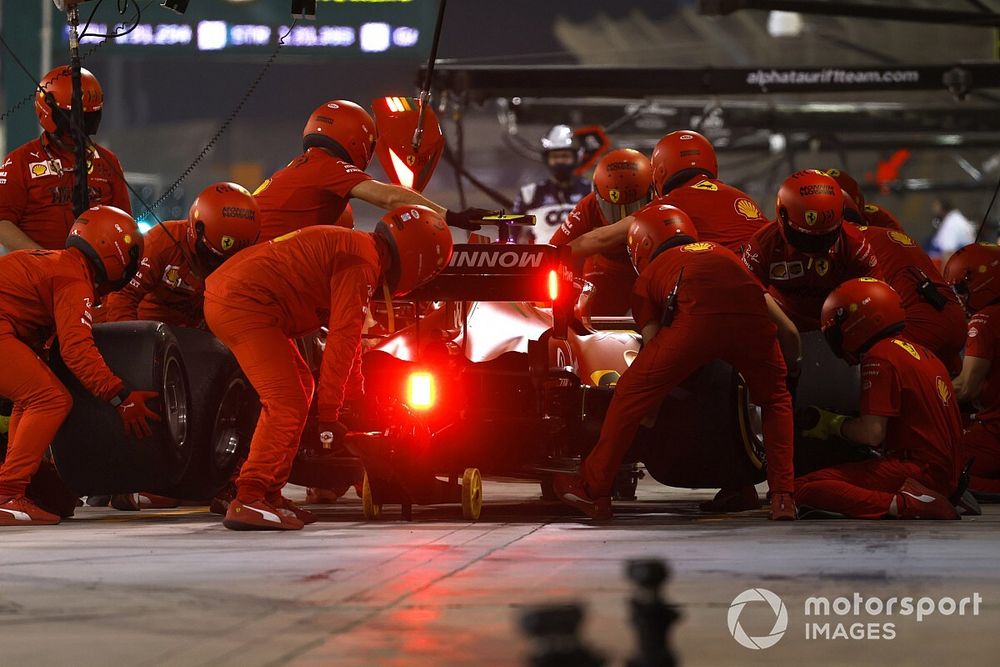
x,y
180,254
42,290
271,293
622,185
694,303
807,252
974,271
908,410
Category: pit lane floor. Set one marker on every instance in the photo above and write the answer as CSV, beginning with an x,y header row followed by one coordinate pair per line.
x,y
173,587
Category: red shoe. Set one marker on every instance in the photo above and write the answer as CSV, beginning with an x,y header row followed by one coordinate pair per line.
x,y
286,507
19,511
318,496
258,515
571,489
783,507
732,499
125,502
151,501
220,503
916,501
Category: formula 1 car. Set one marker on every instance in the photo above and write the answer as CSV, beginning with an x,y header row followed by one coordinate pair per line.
x,y
500,373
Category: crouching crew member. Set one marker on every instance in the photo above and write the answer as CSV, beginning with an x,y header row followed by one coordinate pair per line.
x,y
908,410
338,142
271,293
807,252
36,179
974,271
934,315
622,185
694,303
180,254
42,290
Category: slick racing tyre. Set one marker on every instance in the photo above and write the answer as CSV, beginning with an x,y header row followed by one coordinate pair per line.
x,y
91,450
224,409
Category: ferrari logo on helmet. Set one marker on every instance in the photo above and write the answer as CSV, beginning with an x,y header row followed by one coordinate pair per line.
x,y
706,185
833,172
697,247
811,218
822,266
908,347
747,209
900,238
943,390
228,242
128,239
871,208
614,196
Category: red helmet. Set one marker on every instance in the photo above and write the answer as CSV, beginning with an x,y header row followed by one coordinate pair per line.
x,y
623,181
680,156
223,220
654,226
109,238
854,199
59,84
858,314
343,128
419,243
974,272
396,121
810,208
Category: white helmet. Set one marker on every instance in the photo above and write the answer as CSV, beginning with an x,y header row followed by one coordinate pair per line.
x,y
560,138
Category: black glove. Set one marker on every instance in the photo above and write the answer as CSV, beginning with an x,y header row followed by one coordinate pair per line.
x,y
465,219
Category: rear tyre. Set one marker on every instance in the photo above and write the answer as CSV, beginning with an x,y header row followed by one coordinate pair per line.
x,y
92,452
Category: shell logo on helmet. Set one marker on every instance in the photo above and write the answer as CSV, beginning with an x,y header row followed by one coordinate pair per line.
x,y
747,209
908,347
703,246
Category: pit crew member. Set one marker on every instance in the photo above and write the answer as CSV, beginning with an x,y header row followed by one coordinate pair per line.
x,y
42,290
974,271
552,200
908,410
804,254
856,210
685,172
338,142
622,185
693,302
934,315
180,254
36,179
267,295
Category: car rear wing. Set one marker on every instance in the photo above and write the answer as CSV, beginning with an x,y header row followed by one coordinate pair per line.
x,y
506,272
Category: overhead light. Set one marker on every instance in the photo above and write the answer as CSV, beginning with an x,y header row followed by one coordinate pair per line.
x,y
304,9
784,24
179,6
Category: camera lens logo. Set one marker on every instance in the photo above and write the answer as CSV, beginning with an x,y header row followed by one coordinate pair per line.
x,y
780,618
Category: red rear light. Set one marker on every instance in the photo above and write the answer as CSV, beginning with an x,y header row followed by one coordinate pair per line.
x,y
553,285
421,390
